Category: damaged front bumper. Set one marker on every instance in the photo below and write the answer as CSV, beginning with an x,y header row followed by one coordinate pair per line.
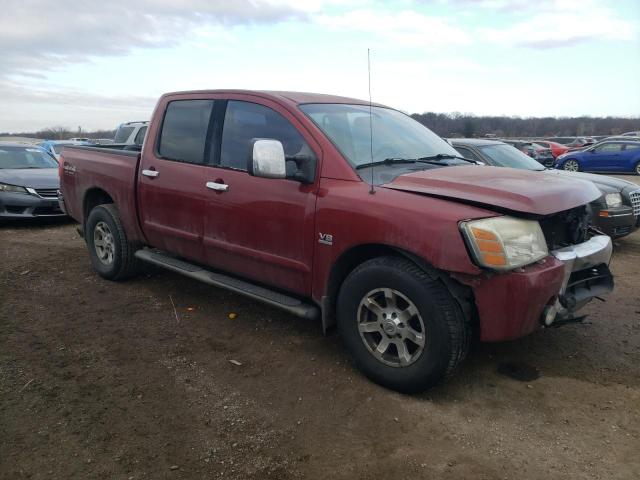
x,y
586,276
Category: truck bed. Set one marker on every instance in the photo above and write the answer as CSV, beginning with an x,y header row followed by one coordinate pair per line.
x,y
90,172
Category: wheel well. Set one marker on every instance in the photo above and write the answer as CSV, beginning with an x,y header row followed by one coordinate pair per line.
x,y
93,198
360,254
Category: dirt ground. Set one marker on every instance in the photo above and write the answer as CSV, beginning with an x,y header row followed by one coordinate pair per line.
x,y
103,380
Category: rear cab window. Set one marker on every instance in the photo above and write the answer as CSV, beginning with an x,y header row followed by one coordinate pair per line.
x,y
123,133
185,129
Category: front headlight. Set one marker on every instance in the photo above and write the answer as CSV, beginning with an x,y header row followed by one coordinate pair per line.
x,y
505,243
613,200
4,187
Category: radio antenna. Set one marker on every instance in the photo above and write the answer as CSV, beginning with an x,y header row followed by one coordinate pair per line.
x,y
372,189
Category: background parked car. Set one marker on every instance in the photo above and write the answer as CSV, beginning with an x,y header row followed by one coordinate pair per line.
x,y
29,182
606,156
616,212
131,133
538,152
54,147
555,147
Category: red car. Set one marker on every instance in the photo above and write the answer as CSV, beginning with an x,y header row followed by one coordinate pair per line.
x,y
288,199
555,147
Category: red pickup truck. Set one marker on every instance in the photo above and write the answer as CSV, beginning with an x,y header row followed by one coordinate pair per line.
x,y
355,214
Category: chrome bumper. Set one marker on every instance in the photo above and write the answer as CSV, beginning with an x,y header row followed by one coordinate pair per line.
x,y
586,275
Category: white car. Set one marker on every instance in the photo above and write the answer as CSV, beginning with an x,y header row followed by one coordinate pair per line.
x,y
131,133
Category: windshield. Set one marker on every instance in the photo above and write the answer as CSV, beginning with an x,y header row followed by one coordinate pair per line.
x,y
123,133
395,135
508,156
58,148
25,157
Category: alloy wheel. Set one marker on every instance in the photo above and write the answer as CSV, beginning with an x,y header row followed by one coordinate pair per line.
x,y
571,166
103,243
391,327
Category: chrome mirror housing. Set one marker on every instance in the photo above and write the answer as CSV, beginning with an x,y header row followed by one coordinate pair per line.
x,y
268,159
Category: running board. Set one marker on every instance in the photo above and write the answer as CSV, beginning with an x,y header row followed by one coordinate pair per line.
x,y
261,294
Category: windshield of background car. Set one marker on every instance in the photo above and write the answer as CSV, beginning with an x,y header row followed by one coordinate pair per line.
x,y
123,133
395,135
508,156
24,157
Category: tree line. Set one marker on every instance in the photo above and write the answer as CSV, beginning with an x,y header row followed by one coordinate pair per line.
x,y
447,125
465,125
62,133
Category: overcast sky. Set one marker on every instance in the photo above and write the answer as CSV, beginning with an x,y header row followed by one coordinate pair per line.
x,y
100,63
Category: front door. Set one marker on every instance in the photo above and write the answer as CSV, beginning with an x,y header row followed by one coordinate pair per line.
x,y
260,228
603,157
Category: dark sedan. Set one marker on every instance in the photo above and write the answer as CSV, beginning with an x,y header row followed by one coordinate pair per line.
x,y
616,212
29,182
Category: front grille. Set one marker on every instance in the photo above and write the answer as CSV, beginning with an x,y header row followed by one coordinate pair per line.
x,y
47,192
635,202
566,228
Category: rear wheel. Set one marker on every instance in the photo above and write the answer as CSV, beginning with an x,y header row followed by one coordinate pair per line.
x,y
403,328
572,165
112,255
638,168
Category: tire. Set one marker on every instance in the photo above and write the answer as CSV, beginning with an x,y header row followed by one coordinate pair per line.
x,y
446,334
112,255
637,169
571,165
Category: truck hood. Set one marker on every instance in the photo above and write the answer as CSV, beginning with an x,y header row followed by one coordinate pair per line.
x,y
531,192
30,177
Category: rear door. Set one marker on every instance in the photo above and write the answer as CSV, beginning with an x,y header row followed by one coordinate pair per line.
x,y
630,156
172,195
260,228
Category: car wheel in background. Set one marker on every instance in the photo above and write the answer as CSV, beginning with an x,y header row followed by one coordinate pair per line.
x,y
571,165
402,327
112,255
638,168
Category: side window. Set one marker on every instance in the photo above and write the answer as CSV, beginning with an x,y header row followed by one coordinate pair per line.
x,y
245,121
184,130
609,147
631,146
140,136
466,153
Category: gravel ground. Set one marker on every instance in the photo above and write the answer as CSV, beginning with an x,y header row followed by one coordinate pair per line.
x,y
106,380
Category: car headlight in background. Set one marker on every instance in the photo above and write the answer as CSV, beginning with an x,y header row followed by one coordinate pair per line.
x,y
505,243
4,187
613,199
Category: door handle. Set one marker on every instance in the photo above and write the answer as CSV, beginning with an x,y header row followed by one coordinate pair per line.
x,y
218,187
150,173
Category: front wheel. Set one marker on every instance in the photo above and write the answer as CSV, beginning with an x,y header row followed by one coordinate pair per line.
x,y
403,329
112,255
571,166
638,168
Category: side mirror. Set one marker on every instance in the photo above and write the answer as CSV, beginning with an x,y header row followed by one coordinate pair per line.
x,y
267,159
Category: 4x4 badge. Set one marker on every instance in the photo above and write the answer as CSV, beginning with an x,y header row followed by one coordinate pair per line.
x,y
325,239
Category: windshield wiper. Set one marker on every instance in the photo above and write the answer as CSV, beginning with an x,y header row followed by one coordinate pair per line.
x,y
432,160
444,156
387,161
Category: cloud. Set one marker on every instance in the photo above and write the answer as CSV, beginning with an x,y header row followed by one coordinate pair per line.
x,y
36,35
404,28
548,24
